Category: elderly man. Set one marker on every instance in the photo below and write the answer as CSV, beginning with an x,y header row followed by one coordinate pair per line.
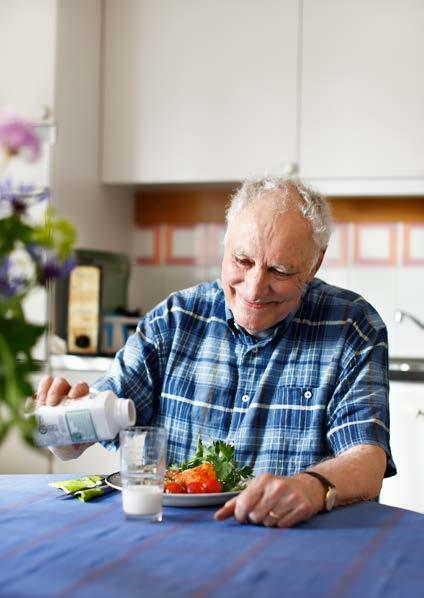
x,y
292,370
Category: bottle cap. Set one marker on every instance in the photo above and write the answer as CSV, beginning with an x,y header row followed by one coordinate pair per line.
x,y
126,412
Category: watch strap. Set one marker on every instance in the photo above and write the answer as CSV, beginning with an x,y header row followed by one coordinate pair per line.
x,y
330,489
324,481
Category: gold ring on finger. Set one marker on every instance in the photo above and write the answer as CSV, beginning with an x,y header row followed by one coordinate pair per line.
x,y
274,515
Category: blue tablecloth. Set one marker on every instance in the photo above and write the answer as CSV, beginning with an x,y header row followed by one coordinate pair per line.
x,y
52,547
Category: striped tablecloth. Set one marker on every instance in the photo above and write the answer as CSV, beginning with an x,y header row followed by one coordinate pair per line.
x,y
51,547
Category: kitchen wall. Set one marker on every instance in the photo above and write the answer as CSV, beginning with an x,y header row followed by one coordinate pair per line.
x,y
380,257
103,215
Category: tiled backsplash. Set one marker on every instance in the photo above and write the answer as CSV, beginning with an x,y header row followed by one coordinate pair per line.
x,y
382,261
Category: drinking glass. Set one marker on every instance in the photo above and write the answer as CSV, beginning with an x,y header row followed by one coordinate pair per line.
x,y
143,466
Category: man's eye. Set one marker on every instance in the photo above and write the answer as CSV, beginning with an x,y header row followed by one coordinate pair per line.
x,y
281,274
242,261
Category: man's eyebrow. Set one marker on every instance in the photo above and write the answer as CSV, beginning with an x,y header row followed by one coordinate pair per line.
x,y
287,268
283,267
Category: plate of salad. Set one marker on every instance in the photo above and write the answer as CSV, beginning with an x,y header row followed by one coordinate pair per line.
x,y
211,477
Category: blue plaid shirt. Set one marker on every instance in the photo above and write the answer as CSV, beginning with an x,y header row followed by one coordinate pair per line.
x,y
314,387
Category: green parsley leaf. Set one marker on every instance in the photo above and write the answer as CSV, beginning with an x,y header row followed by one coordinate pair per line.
x,y
221,455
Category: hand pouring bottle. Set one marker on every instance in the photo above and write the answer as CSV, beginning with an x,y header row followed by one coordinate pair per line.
x,y
96,416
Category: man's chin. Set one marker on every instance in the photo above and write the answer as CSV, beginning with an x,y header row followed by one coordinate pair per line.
x,y
251,326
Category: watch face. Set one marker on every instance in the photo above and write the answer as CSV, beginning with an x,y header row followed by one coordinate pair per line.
x,y
330,499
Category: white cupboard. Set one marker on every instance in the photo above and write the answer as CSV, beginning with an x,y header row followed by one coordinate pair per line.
x,y
362,89
27,57
199,90
217,91
406,489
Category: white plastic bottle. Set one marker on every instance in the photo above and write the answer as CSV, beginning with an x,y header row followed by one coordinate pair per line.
x,y
96,416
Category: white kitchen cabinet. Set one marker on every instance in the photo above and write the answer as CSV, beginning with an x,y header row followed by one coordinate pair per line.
x,y
362,87
211,91
406,489
199,91
27,57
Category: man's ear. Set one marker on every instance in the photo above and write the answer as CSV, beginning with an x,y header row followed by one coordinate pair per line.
x,y
318,263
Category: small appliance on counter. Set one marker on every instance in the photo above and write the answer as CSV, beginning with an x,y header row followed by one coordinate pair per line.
x,y
91,303
117,328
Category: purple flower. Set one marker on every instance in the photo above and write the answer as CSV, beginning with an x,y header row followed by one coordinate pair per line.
x,y
54,268
10,285
22,197
18,135
49,265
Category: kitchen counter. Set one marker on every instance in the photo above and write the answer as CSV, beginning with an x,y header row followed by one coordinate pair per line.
x,y
406,369
80,363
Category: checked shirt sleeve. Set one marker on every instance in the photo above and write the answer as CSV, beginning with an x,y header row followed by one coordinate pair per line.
x,y
358,412
137,370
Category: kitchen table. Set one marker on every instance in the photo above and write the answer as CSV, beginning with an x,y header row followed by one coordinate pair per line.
x,y
56,547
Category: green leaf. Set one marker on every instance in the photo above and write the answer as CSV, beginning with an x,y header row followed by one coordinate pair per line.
x,y
57,234
17,338
221,455
4,429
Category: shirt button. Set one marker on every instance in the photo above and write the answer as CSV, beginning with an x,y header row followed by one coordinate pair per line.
x,y
255,350
245,398
307,394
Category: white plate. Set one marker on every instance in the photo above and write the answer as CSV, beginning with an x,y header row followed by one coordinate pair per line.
x,y
197,500
180,500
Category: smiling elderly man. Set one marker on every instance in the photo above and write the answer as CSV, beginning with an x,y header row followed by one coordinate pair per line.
x,y
292,370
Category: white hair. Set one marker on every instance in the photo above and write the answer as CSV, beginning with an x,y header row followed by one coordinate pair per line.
x,y
311,204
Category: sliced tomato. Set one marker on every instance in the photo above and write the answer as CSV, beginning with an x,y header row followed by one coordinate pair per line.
x,y
174,488
196,488
212,485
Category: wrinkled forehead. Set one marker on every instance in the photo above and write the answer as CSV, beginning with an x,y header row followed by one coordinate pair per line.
x,y
271,213
285,198
278,234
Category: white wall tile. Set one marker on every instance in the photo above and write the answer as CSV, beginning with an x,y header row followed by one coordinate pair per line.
x,y
146,245
375,244
337,250
377,285
408,337
413,244
336,276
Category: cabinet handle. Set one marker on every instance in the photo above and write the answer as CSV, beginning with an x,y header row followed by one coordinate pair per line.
x,y
289,168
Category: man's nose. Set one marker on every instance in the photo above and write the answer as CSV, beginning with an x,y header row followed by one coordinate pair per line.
x,y
257,284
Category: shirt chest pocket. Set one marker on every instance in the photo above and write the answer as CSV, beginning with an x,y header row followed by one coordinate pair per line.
x,y
291,408
290,426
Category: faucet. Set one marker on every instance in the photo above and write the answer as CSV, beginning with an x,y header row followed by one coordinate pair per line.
x,y
401,315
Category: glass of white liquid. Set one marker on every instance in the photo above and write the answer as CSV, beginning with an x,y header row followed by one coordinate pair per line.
x,y
143,466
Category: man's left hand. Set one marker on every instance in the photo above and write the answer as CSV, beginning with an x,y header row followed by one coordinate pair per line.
x,y
275,501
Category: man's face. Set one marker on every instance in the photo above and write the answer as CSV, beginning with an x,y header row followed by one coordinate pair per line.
x,y
268,258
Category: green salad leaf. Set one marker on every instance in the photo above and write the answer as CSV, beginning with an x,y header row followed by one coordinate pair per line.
x,y
221,455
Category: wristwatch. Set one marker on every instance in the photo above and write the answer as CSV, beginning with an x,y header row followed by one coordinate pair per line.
x,y
330,489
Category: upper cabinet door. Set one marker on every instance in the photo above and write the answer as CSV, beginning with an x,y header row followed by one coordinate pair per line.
x,y
199,91
362,88
27,57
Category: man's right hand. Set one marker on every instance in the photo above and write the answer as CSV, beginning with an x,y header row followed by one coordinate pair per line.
x,y
51,391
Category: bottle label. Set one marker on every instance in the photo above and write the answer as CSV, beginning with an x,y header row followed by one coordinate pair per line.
x,y
71,428
81,426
